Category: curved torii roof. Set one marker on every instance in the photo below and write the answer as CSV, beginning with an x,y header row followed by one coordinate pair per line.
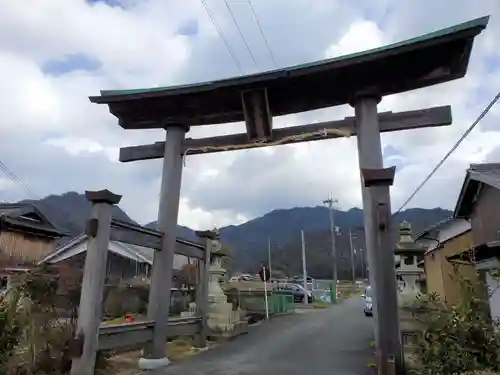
x,y
430,59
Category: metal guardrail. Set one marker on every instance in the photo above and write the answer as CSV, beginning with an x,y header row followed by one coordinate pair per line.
x,y
117,336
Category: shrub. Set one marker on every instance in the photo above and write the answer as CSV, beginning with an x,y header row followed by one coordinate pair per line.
x,y
43,341
113,304
10,327
459,338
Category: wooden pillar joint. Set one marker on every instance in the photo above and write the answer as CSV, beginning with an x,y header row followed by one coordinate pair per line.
x,y
91,227
257,113
378,177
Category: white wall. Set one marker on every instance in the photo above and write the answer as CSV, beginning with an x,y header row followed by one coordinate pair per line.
x,y
494,290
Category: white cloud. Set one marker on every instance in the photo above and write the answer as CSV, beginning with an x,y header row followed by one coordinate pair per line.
x,y
30,102
360,36
75,146
198,219
68,143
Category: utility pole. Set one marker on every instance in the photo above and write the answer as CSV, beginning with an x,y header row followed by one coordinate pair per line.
x,y
353,263
269,256
362,255
304,267
330,201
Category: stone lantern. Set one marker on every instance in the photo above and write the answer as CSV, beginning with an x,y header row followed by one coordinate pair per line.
x,y
223,320
410,253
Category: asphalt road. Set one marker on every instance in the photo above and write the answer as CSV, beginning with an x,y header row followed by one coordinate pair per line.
x,y
333,341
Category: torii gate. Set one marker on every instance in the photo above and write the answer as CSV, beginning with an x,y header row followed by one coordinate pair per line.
x,y
360,79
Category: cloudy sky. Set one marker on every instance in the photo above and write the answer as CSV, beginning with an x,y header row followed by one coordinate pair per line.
x,y
56,53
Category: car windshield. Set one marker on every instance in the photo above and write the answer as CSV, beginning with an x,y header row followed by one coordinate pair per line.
x,y
368,292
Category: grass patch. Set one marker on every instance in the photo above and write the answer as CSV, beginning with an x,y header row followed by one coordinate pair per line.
x,y
125,363
348,292
178,349
321,304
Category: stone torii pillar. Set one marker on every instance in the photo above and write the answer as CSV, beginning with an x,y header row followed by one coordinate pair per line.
x,y
161,274
380,255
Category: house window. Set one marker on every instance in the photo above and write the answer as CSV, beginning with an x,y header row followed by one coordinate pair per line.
x,y
408,259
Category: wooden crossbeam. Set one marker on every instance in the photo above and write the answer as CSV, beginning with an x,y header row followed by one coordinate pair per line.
x,y
388,122
127,335
133,234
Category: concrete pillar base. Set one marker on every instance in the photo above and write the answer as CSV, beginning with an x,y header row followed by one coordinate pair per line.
x,y
152,364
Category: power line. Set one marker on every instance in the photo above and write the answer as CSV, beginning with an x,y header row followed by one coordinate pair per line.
x,y
262,33
221,34
12,177
240,32
15,179
466,133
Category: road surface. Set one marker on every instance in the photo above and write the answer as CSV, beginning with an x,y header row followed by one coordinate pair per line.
x,y
334,341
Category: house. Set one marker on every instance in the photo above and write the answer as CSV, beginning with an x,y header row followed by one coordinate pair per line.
x,y
26,237
125,261
478,202
443,240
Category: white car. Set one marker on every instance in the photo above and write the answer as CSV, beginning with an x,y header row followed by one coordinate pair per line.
x,y
368,296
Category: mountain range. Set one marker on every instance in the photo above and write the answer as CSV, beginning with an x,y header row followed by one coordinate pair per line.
x,y
281,229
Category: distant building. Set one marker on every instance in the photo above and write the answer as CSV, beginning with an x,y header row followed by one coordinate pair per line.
x,y
26,237
478,203
443,240
125,261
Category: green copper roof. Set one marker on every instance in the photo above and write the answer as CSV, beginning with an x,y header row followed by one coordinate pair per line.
x,y
480,23
431,59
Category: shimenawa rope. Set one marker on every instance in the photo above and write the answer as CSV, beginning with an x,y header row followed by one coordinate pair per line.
x,y
293,138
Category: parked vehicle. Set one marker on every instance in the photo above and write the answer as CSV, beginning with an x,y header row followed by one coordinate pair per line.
x,y
298,292
242,277
368,305
300,279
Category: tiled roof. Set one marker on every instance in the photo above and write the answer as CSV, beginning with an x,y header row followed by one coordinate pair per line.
x,y
134,252
11,208
28,216
433,227
477,174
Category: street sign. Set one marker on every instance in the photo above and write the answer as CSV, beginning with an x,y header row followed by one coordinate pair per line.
x,y
264,274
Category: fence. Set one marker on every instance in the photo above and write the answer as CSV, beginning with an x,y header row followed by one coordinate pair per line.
x,y
253,301
92,335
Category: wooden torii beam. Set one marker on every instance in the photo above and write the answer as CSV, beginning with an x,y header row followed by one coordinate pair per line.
x,y
389,122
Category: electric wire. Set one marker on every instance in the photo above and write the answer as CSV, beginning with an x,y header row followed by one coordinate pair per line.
x,y
15,179
448,154
262,33
222,36
241,32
